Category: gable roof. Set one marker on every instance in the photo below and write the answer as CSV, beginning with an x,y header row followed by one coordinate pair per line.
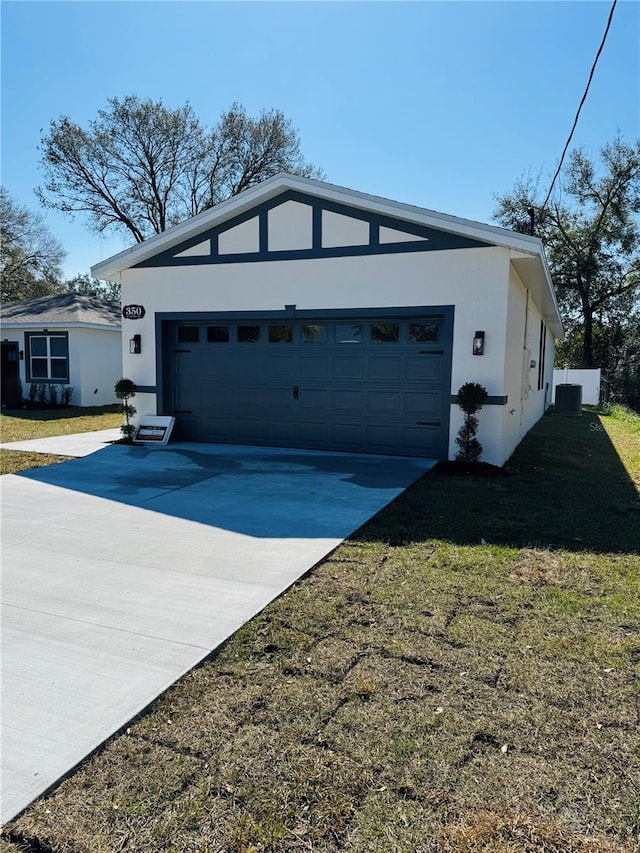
x,y
63,309
527,252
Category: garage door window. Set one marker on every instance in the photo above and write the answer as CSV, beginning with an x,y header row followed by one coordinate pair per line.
x,y
188,334
423,333
314,334
348,333
217,334
280,334
48,357
385,333
248,334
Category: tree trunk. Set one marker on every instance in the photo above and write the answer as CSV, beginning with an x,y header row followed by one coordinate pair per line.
x,y
587,341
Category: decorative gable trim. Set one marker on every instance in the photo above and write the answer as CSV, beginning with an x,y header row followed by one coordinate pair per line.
x,y
368,233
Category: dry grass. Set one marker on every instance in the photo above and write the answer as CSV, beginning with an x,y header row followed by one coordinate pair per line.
x,y
414,694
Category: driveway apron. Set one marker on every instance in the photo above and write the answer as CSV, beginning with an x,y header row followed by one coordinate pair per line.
x,y
125,568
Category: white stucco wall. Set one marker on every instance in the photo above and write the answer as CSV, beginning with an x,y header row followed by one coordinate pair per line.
x,y
526,403
95,361
475,281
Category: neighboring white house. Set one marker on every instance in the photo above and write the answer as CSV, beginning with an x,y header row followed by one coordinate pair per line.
x,y
299,313
64,340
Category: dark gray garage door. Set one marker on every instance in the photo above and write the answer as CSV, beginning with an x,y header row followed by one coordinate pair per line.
x,y
374,384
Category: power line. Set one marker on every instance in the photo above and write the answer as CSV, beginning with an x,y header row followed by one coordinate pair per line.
x,y
584,98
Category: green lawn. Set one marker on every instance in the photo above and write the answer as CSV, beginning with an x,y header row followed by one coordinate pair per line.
x,y
25,424
417,691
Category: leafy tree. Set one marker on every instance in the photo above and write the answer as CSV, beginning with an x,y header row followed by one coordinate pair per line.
x,y
87,286
140,166
30,256
591,234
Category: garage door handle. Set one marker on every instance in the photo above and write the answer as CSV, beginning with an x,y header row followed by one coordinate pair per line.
x,y
296,392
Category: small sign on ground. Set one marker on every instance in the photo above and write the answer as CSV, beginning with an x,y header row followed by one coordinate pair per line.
x,y
154,429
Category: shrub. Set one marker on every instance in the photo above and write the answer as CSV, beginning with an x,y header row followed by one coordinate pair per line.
x,y
53,395
66,394
471,398
124,390
41,393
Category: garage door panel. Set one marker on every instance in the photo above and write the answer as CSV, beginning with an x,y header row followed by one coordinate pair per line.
x,y
424,368
348,401
277,400
357,391
314,399
217,397
249,399
385,368
382,437
422,405
383,403
348,434
421,439
351,367
312,367
280,367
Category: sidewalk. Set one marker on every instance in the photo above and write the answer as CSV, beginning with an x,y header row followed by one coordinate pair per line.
x,y
79,444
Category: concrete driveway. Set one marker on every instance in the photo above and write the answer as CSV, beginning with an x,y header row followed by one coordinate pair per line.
x,y
125,568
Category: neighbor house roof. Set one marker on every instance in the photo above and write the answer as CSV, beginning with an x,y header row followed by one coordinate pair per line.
x,y
527,252
63,309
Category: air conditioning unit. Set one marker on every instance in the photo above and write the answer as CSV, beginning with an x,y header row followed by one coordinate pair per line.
x,y
568,399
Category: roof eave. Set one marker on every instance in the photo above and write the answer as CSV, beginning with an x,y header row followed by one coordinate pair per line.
x,y
111,268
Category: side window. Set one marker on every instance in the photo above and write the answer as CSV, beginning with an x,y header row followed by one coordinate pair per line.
x,y
47,357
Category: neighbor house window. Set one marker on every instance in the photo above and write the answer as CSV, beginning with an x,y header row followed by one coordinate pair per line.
x,y
48,357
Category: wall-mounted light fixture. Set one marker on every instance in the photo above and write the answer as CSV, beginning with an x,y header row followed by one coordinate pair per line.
x,y
135,345
478,343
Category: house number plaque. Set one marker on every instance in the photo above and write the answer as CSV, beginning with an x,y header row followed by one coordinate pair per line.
x,y
133,312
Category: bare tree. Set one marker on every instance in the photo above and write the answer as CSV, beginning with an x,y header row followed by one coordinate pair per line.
x,y
140,167
30,256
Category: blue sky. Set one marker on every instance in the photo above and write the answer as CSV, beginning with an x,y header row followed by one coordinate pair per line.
x,y
439,104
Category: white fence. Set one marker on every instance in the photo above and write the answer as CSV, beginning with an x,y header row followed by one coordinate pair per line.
x,y
589,379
